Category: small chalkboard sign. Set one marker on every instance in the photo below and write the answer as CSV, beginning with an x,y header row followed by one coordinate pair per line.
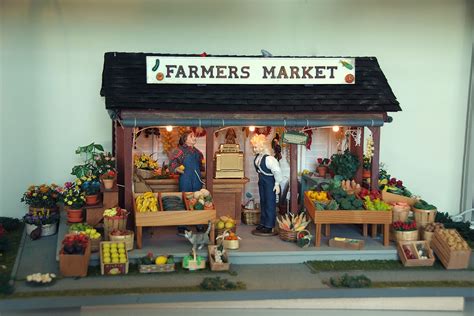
x,y
294,137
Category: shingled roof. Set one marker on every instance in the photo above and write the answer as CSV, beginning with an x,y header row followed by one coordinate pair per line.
x,y
124,87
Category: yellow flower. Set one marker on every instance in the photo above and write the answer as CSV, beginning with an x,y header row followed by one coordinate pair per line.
x,y
45,197
35,194
69,203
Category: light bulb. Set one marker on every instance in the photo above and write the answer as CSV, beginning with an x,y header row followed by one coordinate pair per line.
x,y
252,128
335,128
169,128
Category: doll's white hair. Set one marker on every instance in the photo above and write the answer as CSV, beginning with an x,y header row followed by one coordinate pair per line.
x,y
261,145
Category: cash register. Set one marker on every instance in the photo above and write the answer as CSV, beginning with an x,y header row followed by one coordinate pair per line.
x,y
229,162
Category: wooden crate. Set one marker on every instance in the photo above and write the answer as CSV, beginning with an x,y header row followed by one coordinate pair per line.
x,y
112,268
224,266
171,218
347,243
347,217
157,268
418,262
74,265
451,259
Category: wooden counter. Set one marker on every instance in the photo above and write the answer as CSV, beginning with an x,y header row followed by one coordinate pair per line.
x,y
227,193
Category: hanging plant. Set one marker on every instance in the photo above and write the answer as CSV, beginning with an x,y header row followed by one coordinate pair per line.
x,y
199,131
263,130
310,138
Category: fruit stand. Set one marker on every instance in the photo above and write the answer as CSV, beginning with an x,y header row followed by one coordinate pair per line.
x,y
347,217
161,218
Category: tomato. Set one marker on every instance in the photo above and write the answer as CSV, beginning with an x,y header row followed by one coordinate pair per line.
x,y
349,78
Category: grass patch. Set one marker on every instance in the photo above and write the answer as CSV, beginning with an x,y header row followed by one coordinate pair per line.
x,y
365,265
423,284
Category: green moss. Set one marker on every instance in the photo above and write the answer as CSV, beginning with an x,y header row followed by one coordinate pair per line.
x,y
423,284
368,265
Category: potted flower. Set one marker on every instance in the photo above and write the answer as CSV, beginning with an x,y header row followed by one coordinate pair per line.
x,y
145,165
115,218
345,164
46,220
108,179
366,166
104,162
90,185
74,200
74,255
322,167
42,197
405,231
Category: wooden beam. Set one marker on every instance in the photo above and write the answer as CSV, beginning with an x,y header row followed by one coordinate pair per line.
x,y
359,152
119,156
210,158
128,167
294,178
374,177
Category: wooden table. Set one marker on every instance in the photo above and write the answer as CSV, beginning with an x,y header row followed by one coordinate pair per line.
x,y
347,217
171,218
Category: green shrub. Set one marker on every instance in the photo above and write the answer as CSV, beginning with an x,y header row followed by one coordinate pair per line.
x,y
357,281
218,284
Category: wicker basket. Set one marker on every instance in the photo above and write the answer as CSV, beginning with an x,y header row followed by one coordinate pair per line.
x,y
231,244
157,268
250,217
428,236
127,239
144,174
424,217
406,235
114,223
222,230
286,235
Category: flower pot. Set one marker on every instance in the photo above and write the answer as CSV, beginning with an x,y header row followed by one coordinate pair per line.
x,y
74,215
46,230
92,199
49,210
108,183
406,235
366,173
322,171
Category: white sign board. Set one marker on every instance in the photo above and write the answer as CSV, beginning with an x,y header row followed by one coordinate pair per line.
x,y
241,70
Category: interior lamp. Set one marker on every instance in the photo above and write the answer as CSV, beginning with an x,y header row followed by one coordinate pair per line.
x,y
169,128
335,128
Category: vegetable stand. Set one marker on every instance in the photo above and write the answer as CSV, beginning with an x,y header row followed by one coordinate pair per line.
x,y
171,218
347,217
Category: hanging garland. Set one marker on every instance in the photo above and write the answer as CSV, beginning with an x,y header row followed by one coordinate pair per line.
x,y
169,139
263,130
310,138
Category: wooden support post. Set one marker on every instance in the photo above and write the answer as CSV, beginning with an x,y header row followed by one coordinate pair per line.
x,y
119,156
359,152
128,167
374,178
210,158
294,178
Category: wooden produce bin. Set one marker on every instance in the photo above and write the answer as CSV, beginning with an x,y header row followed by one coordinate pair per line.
x,y
74,265
224,266
451,259
171,218
347,217
112,268
418,262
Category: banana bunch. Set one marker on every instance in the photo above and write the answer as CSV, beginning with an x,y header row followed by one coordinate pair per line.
x,y
292,222
147,202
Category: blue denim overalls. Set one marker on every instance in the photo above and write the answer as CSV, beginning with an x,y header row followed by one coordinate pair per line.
x,y
266,183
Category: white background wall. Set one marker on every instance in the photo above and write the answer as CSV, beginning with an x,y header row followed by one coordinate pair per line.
x,y
52,57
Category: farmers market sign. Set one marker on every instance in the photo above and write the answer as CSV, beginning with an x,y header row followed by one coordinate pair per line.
x,y
240,70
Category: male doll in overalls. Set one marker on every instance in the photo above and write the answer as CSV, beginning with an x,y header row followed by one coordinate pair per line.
x,y
269,178
187,160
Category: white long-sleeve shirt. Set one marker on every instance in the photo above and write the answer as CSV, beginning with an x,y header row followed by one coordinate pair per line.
x,y
274,166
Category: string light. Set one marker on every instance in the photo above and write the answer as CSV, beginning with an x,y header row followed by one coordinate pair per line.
x,y
335,129
252,128
169,128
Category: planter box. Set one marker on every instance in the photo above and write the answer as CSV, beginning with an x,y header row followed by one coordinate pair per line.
x,y
451,259
347,217
46,230
157,268
224,266
74,265
418,262
347,243
112,268
171,218
390,198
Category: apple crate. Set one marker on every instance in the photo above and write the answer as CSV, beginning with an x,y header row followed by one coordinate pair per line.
x,y
451,259
415,247
113,268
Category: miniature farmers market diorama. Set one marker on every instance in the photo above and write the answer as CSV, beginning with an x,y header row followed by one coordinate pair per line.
x,y
212,177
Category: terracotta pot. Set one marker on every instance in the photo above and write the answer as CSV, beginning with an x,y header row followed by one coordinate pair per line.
x,y
322,171
366,174
74,215
92,199
108,183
